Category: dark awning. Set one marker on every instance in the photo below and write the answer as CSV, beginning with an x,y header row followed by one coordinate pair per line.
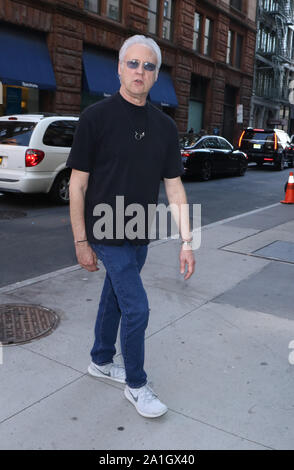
x,y
100,72
163,91
25,60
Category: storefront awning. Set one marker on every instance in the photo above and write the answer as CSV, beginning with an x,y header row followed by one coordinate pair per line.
x,y
100,72
163,91
25,60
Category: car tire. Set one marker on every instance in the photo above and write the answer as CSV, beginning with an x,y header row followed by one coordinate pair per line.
x,y
206,170
241,170
60,189
280,165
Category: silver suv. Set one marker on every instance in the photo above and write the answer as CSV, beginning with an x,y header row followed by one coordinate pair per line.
x,y
33,153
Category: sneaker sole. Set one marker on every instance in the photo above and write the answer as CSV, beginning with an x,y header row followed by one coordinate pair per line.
x,y
145,415
99,375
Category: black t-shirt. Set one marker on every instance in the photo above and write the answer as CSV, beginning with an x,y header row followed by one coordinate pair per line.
x,y
122,169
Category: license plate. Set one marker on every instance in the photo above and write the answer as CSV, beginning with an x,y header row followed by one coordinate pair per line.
x,y
256,146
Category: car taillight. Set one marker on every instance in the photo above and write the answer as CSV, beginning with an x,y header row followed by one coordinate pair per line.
x,y
241,137
34,157
246,156
186,154
275,141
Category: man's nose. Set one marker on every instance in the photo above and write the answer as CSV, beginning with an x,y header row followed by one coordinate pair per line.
x,y
140,68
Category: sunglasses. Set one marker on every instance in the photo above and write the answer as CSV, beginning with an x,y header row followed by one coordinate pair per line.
x,y
134,64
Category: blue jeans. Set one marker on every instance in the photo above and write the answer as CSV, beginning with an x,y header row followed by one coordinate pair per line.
x,y
123,298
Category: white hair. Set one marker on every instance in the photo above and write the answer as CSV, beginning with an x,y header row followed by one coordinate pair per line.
x,y
145,41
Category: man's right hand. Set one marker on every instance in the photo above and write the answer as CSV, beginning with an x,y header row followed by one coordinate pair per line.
x,y
86,257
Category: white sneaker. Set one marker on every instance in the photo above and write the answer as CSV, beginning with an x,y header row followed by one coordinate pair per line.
x,y
145,401
108,371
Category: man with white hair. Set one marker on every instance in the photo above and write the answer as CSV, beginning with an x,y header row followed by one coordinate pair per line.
x,y
123,147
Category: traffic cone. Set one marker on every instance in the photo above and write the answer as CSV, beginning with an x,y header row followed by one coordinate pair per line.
x,y
289,198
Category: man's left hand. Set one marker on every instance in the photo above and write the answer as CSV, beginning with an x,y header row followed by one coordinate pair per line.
x,y
187,258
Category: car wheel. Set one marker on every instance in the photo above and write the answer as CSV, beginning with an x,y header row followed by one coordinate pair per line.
x,y
241,170
280,165
206,170
60,189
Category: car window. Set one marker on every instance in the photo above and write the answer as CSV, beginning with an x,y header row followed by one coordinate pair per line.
x,y
60,133
211,143
188,140
251,135
200,145
16,133
224,145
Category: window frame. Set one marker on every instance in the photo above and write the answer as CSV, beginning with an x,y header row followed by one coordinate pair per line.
x,y
231,51
160,19
204,40
102,7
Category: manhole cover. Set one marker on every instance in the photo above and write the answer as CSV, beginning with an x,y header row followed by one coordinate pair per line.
x,y
7,214
23,323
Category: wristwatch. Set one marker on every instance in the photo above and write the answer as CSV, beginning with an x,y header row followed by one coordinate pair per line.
x,y
187,243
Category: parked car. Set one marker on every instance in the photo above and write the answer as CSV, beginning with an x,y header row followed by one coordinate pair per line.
x,y
211,155
267,146
33,154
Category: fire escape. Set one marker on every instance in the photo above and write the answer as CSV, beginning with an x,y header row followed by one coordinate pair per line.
x,y
274,59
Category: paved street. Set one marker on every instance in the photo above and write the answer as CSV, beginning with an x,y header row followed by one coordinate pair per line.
x,y
217,350
36,234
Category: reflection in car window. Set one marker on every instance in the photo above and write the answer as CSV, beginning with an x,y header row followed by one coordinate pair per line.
x,y
60,133
211,143
188,140
224,145
16,133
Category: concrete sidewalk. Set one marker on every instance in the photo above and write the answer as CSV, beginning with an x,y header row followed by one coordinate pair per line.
x,y
216,350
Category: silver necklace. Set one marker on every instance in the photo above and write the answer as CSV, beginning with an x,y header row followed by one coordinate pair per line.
x,y
138,135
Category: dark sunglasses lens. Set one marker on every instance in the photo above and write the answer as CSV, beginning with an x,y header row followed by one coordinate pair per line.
x,y
149,66
132,64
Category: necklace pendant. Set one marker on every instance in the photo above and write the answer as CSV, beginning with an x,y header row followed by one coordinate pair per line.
x,y
139,135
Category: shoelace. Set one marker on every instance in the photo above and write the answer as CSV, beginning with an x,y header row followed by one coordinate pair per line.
x,y
118,370
148,394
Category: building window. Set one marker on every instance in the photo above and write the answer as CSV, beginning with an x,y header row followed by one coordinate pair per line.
x,y
197,31
153,16
239,48
113,9
270,5
236,4
234,49
229,55
202,34
92,5
167,25
207,37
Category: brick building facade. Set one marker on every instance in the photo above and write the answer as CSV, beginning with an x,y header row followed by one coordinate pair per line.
x,y
208,49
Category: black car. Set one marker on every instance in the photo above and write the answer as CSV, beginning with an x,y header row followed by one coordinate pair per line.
x,y
211,155
267,146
